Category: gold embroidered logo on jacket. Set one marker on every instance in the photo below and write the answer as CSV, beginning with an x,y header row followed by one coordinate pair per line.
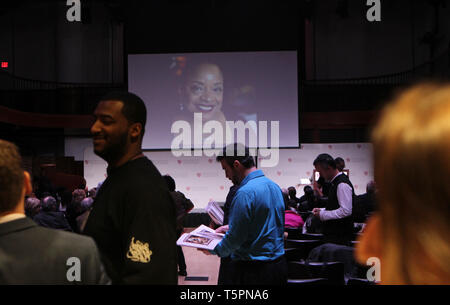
x,y
139,252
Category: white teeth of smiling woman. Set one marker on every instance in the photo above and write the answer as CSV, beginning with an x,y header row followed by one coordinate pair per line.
x,y
205,108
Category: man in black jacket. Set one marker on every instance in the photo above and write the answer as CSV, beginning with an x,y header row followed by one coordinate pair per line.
x,y
133,216
31,254
337,214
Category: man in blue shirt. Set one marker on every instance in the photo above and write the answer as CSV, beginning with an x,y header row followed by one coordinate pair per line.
x,y
254,236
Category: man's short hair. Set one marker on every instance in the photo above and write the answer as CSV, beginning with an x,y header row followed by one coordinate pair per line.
x,y
292,191
340,163
11,176
32,206
133,109
325,160
49,204
308,190
170,182
86,204
237,152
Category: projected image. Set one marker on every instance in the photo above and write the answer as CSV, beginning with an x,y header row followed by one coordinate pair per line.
x,y
202,92
215,94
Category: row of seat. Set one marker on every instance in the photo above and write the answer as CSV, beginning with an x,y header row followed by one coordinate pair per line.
x,y
296,233
331,273
303,272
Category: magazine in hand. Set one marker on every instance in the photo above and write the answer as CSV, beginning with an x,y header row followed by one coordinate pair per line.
x,y
215,212
203,238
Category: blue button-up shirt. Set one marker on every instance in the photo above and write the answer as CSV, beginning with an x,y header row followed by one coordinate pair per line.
x,y
256,223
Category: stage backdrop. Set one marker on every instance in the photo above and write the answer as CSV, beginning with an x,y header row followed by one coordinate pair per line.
x,y
202,179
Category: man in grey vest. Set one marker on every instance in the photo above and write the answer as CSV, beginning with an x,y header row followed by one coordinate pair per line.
x,y
337,214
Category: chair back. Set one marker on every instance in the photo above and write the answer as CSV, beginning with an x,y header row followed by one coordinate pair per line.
x,y
332,271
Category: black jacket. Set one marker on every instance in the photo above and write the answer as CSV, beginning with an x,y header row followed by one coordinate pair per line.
x,y
182,205
133,222
52,220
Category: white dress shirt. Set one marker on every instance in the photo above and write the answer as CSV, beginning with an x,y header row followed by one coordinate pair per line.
x,y
345,197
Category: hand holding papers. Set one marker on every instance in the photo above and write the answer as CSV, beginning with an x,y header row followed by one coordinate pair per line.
x,y
203,238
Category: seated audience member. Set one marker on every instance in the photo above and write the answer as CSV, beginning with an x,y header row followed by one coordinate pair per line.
x,y
307,202
336,253
32,207
364,204
50,216
86,206
74,209
78,195
410,230
371,192
292,219
293,200
31,254
182,206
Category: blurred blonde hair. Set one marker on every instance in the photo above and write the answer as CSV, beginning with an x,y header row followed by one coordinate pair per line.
x,y
412,170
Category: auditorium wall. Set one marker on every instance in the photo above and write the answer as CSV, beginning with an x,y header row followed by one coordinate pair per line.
x,y
347,45
202,179
40,43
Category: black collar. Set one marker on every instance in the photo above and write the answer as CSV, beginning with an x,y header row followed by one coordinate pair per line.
x,y
111,170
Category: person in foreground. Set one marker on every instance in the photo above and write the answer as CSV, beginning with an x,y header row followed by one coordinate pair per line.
x,y
410,232
254,236
31,254
133,216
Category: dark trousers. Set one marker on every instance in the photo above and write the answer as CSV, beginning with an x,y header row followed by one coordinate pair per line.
x,y
181,261
180,254
259,272
224,271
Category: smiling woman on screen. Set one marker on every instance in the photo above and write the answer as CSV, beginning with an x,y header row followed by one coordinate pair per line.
x,y
202,92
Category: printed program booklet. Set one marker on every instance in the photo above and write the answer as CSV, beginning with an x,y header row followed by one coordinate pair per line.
x,y
203,238
215,212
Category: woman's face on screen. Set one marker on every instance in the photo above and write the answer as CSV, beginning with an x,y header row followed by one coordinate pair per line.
x,y
204,91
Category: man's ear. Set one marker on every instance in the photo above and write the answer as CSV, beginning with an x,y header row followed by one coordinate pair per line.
x,y
135,130
27,183
236,164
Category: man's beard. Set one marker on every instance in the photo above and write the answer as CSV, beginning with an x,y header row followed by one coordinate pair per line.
x,y
114,150
234,178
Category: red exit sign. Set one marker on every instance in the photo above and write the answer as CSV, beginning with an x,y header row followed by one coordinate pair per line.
x,y
4,64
